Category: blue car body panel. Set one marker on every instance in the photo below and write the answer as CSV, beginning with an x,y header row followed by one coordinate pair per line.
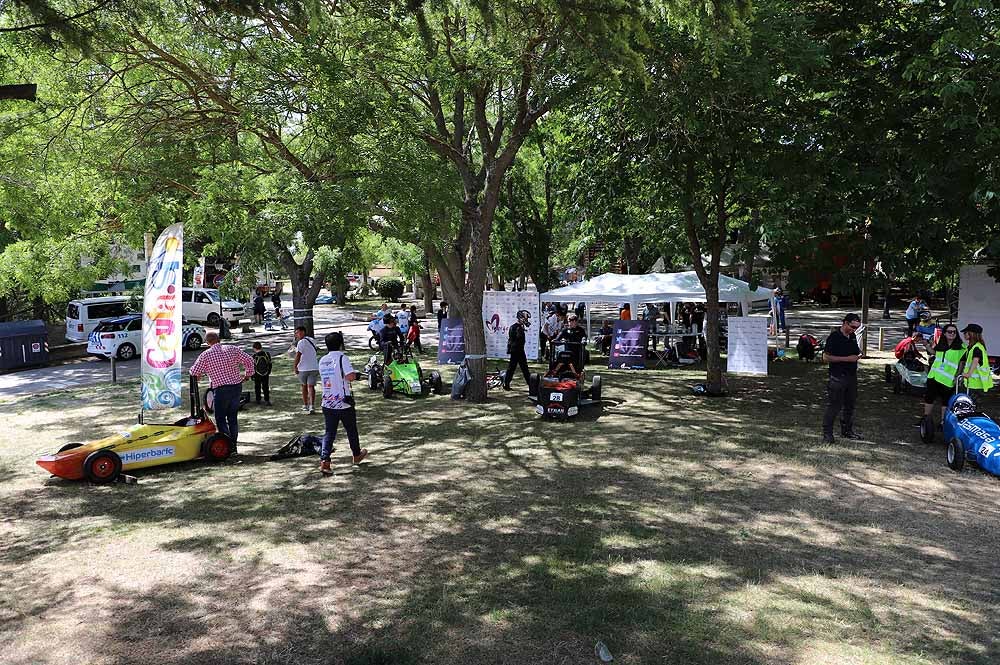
x,y
980,437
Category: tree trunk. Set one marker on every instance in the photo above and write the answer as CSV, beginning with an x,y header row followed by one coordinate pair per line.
x,y
303,295
429,294
751,247
713,376
340,286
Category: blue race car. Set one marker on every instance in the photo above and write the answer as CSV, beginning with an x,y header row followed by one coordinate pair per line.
x,y
971,435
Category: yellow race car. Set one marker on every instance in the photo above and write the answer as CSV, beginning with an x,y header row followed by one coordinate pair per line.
x,y
142,446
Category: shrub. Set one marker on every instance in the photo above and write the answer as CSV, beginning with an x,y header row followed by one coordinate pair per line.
x,y
389,288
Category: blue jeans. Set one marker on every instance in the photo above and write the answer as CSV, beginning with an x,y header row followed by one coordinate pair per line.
x,y
227,405
334,417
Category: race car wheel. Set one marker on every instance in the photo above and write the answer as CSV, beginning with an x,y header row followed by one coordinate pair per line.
x,y
373,343
437,385
533,381
69,446
595,389
888,373
387,386
193,342
126,352
897,383
956,455
102,467
217,447
927,429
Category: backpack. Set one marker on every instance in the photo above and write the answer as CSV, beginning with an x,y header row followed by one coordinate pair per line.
x,y
807,347
299,446
461,382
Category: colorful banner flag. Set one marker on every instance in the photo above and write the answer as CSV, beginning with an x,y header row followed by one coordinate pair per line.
x,y
161,322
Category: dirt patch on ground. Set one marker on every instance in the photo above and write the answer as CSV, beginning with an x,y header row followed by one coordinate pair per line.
x,y
675,529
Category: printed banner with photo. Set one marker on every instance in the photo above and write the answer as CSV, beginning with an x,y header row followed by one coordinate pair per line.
x,y
628,345
500,310
747,353
451,344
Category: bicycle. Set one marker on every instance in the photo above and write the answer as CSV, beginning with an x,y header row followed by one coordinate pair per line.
x,y
495,379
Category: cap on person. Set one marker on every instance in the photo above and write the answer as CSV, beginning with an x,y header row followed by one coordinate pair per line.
x,y
973,328
850,318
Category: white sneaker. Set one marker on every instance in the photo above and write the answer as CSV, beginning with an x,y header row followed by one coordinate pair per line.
x,y
306,409
311,410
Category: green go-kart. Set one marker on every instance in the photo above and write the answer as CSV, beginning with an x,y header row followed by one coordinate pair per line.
x,y
403,375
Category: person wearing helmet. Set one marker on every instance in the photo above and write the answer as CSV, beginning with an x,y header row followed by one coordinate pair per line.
x,y
389,337
515,347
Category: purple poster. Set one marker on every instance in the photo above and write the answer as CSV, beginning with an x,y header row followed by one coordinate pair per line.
x,y
451,342
628,345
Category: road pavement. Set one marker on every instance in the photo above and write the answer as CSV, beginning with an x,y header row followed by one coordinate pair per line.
x,y
94,371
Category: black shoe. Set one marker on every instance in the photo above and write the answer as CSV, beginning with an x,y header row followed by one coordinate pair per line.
x,y
828,439
854,436
506,387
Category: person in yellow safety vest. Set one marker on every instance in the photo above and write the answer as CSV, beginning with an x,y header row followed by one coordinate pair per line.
x,y
948,353
977,365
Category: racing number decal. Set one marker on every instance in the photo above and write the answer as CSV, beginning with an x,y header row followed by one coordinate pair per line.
x,y
986,450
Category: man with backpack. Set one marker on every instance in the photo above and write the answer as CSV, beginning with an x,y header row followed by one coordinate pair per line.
x,y
306,368
262,364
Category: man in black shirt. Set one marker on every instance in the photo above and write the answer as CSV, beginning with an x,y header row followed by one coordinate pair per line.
x,y
572,333
515,347
842,352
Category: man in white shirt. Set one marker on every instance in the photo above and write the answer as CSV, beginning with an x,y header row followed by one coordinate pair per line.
x,y
338,401
403,319
306,367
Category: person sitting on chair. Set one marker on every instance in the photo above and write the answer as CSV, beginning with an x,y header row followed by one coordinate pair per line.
x,y
603,338
390,338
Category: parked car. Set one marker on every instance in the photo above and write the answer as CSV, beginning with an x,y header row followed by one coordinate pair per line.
x,y
122,337
203,305
83,315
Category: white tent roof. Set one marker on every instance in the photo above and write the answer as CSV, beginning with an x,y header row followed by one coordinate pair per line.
x,y
653,287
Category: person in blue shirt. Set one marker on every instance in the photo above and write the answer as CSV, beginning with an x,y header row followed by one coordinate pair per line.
x,y
913,310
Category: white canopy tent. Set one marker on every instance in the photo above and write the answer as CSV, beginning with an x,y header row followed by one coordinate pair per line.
x,y
670,287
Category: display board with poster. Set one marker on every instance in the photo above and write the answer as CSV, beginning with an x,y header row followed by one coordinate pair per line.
x,y
747,352
500,310
451,344
629,340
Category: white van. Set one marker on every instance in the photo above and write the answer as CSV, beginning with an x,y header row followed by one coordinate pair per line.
x,y
199,304
83,315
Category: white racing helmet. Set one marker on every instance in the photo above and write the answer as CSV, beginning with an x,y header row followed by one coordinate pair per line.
x,y
963,405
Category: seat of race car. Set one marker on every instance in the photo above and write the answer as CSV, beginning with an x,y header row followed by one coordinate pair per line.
x,y
574,354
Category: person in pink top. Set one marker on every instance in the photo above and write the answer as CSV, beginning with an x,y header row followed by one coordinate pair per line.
x,y
227,367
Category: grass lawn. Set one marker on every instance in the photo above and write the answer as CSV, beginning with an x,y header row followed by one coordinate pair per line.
x,y
674,529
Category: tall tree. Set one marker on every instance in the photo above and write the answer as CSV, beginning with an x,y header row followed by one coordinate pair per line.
x,y
471,80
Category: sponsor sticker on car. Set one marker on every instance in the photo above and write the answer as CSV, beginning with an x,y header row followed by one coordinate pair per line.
x,y
146,454
540,409
986,450
555,410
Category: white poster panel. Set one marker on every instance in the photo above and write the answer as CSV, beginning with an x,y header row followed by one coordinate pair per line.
x,y
979,302
161,322
747,353
500,312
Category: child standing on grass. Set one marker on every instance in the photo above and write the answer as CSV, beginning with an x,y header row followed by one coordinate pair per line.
x,y
261,373
413,334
